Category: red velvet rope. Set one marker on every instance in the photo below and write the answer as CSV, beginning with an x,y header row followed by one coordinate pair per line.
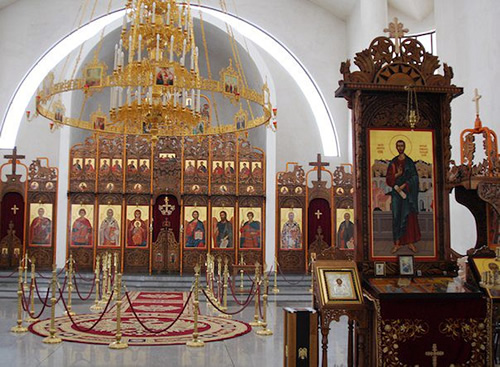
x,y
162,330
225,312
50,277
48,289
26,303
85,330
10,275
78,291
83,278
286,280
233,293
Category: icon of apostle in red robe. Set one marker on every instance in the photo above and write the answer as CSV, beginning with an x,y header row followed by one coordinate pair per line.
x,y
41,229
81,230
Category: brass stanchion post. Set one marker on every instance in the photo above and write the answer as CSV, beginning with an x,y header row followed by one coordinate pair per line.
x,y
219,276
97,306
313,259
26,269
224,297
104,286
19,328
118,343
115,264
70,285
275,288
52,338
265,331
256,321
109,286
241,280
195,342
31,317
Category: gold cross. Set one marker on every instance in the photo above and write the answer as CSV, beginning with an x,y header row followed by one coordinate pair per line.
x,y
476,99
396,31
14,209
318,214
434,354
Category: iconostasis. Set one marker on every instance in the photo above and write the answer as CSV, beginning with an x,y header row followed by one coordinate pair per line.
x,y
164,206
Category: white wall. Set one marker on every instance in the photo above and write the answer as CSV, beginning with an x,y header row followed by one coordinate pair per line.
x,y
319,39
467,40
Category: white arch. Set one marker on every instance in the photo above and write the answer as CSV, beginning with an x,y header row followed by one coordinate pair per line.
x,y
31,81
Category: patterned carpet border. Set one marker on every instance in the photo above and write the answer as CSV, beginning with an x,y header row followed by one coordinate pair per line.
x,y
210,328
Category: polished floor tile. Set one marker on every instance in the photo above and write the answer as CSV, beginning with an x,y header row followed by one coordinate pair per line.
x,y
248,350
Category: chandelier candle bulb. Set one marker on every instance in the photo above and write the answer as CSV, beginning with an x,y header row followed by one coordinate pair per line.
x,y
115,64
168,14
130,49
196,59
157,47
120,97
139,49
171,48
139,95
128,95
124,25
192,100
141,14
153,16
198,101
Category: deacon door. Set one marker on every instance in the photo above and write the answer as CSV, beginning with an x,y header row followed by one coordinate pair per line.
x,y
11,230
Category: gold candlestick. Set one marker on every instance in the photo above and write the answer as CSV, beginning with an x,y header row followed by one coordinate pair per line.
x,y
118,343
265,331
31,317
196,342
19,328
52,338
256,321
97,306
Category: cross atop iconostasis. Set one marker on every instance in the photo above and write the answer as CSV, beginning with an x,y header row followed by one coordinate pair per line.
x,y
14,159
319,167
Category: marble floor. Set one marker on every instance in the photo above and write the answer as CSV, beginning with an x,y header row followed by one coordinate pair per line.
x,y
27,350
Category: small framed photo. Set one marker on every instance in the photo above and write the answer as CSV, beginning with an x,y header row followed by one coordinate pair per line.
x,y
406,265
379,268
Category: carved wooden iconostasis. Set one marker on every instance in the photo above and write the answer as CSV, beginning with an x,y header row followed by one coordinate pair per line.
x,y
401,117
315,215
28,214
164,206
378,96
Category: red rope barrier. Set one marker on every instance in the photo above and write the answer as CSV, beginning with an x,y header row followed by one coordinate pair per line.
x,y
162,330
50,277
286,280
8,276
78,291
48,289
85,330
233,293
224,312
44,304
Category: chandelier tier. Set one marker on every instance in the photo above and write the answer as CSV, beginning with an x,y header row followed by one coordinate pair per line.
x,y
155,87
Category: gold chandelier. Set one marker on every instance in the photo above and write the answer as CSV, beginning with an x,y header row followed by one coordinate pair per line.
x,y
155,85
